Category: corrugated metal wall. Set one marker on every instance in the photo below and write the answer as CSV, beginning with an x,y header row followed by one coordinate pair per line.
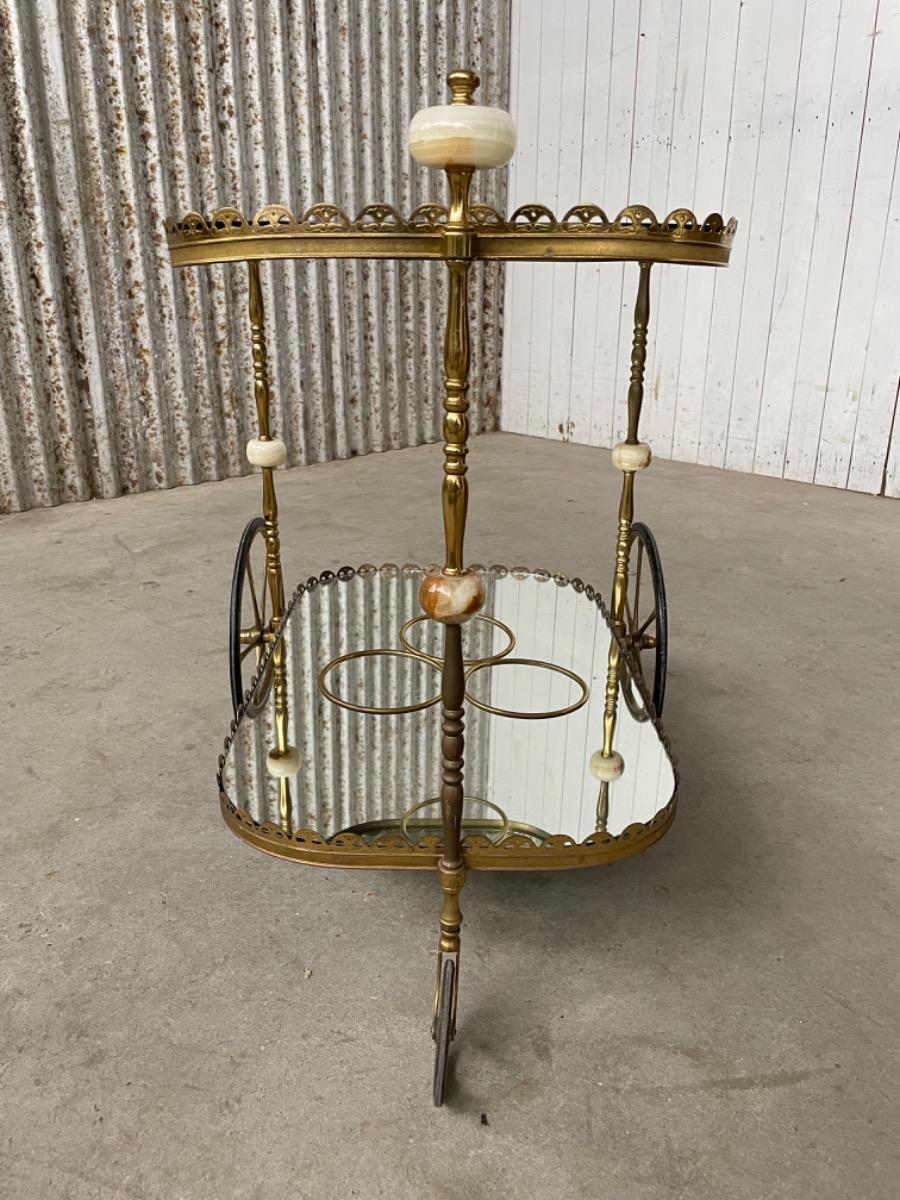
x,y
117,375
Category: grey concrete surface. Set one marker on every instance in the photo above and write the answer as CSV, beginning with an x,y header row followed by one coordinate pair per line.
x,y
717,1018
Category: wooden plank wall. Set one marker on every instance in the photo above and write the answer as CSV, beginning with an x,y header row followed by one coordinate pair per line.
x,y
783,113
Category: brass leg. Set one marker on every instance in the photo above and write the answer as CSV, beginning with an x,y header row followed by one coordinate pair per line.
x,y
451,870
451,881
630,456
269,452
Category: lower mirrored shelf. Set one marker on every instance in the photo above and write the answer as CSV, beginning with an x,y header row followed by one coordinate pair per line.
x,y
363,708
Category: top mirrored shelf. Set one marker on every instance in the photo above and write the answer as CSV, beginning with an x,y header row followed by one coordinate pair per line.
x,y
368,730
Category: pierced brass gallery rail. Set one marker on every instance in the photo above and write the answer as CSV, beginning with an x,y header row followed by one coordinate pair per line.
x,y
533,233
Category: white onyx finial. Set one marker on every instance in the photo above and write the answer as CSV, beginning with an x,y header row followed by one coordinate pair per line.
x,y
462,134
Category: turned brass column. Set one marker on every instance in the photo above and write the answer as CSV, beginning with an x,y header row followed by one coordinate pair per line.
x,y
455,500
458,250
455,488
273,545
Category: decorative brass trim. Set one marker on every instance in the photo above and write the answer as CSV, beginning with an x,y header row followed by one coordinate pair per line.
x,y
532,232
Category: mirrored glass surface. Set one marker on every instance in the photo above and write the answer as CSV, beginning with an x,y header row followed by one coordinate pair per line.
x,y
536,661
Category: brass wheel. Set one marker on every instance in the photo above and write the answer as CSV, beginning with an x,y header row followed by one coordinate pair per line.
x,y
646,623
443,1030
250,624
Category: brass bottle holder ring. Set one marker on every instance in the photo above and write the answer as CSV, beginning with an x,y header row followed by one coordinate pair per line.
x,y
489,660
530,716
435,827
477,665
371,709
472,823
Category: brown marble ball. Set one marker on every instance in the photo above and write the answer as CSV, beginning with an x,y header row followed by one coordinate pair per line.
x,y
451,599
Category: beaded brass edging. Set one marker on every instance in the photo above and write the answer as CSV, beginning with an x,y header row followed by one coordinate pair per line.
x,y
514,853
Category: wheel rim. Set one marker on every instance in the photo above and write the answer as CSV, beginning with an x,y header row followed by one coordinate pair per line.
x,y
443,1031
251,619
646,623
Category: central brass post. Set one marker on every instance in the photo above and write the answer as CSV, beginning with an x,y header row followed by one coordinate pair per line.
x,y
458,253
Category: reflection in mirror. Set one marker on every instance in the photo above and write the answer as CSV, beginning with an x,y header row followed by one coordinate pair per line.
x,y
368,725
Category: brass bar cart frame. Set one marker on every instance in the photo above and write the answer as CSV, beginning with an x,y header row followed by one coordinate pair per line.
x,y
459,235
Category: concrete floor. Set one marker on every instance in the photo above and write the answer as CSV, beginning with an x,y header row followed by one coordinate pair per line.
x,y
718,1018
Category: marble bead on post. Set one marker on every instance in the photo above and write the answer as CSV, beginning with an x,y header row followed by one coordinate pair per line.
x,y
284,763
266,452
451,599
631,456
607,767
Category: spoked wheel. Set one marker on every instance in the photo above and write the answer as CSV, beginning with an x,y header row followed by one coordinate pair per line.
x,y
646,621
443,1030
250,621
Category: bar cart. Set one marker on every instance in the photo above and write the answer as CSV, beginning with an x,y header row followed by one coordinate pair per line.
x,y
355,697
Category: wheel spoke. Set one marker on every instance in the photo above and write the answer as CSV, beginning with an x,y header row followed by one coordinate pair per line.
x,y
255,645
637,581
252,582
643,629
630,615
265,597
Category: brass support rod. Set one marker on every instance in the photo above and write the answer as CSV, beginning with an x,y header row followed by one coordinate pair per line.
x,y
623,551
626,515
603,808
620,589
638,352
270,516
258,347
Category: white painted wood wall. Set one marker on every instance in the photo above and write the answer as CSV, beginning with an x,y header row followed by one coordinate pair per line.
x,y
783,113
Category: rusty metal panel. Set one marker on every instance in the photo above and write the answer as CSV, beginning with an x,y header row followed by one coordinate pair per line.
x,y
118,376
